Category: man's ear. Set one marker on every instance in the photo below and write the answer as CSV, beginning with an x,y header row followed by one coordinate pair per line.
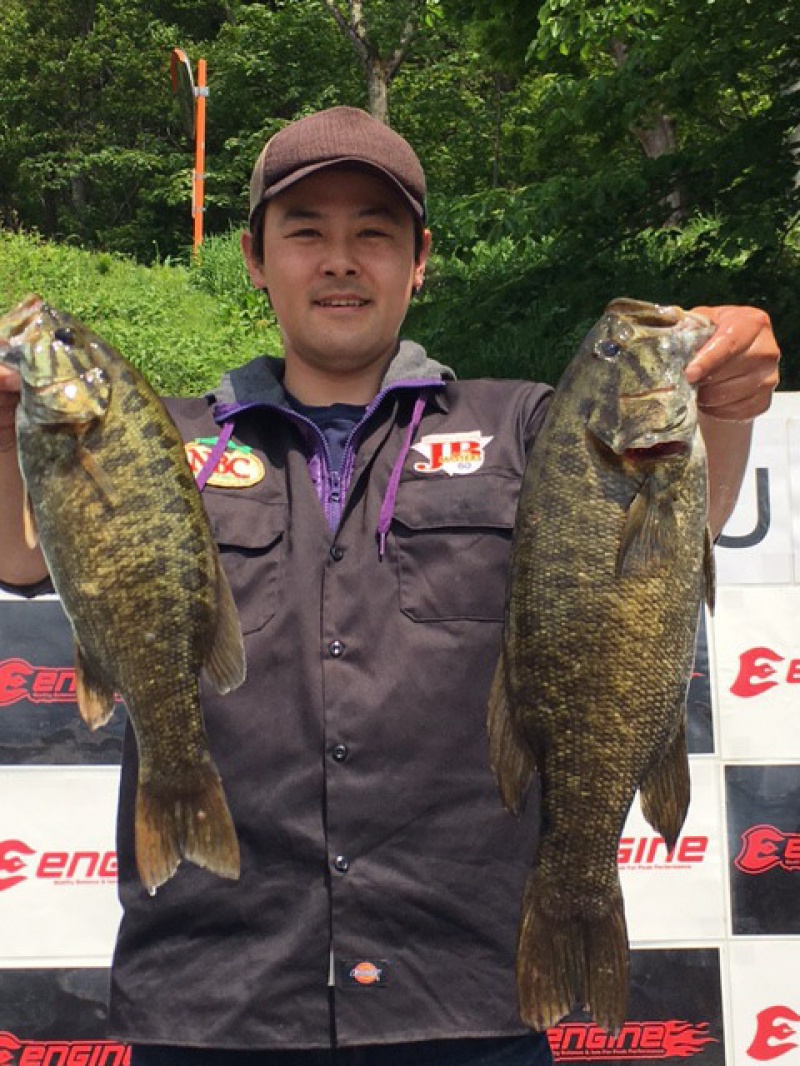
x,y
424,252
254,267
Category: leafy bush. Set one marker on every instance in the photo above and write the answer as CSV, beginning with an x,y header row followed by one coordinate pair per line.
x,y
166,318
517,304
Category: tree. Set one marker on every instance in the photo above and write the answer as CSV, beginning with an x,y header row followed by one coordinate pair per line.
x,y
700,93
380,69
87,144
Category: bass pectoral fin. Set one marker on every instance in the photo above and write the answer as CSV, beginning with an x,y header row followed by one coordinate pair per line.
x,y
649,533
95,696
95,470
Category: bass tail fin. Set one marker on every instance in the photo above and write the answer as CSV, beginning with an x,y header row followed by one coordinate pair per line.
x,y
567,962
194,824
509,755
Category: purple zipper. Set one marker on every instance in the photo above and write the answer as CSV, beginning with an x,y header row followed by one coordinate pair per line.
x,y
331,487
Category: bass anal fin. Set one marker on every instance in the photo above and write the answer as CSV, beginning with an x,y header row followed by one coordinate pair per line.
x,y
95,696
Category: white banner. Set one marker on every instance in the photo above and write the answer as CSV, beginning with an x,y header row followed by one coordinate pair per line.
x,y
677,896
58,870
765,1002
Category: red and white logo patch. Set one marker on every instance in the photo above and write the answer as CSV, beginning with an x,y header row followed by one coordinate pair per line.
x,y
454,453
237,468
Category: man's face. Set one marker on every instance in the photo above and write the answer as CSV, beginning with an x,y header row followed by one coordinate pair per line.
x,y
339,266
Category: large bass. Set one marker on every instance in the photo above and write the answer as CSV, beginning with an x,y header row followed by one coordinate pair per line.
x,y
610,563
113,503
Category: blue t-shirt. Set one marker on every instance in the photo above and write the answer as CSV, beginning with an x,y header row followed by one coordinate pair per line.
x,y
335,421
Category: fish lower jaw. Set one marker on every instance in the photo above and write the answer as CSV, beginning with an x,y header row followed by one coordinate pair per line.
x,y
669,449
652,450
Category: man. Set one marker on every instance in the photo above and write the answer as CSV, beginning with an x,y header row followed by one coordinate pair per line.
x,y
375,919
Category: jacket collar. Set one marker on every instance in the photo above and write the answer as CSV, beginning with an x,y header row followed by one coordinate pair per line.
x,y
261,380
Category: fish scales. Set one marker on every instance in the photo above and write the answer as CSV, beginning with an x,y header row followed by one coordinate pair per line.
x,y
609,568
128,546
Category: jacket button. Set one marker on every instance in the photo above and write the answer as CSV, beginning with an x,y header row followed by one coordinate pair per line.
x,y
337,553
336,649
342,864
340,752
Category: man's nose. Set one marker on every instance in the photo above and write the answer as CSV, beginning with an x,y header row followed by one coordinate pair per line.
x,y
340,259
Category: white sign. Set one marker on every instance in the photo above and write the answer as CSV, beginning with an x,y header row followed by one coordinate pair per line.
x,y
677,896
765,1002
58,866
756,634
756,546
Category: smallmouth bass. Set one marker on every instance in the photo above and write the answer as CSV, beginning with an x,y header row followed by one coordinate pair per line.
x,y
114,506
611,561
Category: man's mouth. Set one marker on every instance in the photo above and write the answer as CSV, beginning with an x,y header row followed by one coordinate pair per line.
x,y
341,301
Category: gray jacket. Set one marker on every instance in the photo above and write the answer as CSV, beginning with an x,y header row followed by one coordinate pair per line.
x,y
354,757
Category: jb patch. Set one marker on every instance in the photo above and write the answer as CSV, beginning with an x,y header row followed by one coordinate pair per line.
x,y
363,974
452,453
237,468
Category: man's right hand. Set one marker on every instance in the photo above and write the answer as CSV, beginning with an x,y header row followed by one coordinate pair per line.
x,y
9,398
19,563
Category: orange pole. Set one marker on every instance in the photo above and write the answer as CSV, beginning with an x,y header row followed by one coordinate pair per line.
x,y
198,184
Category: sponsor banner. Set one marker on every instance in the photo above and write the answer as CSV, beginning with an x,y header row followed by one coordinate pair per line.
x,y
700,719
675,1013
58,866
793,430
765,1002
757,663
764,849
39,718
757,545
677,895
56,1018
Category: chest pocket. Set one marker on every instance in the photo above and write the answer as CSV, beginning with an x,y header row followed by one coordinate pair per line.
x,y
251,538
453,545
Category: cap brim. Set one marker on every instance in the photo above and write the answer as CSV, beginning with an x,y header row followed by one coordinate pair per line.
x,y
303,172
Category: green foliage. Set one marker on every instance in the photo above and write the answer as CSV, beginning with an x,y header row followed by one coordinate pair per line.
x,y
531,120
163,318
273,63
512,305
85,131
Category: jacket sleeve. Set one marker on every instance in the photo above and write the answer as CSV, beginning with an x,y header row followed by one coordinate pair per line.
x,y
536,400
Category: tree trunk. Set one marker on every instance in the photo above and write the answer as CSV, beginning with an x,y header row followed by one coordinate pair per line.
x,y
378,89
380,71
658,138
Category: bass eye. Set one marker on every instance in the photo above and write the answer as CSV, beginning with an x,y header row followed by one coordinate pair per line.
x,y
607,349
65,335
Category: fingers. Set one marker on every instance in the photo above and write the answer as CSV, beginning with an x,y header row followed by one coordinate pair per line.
x,y
9,398
736,371
9,380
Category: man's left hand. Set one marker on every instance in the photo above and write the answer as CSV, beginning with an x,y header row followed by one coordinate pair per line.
x,y
736,370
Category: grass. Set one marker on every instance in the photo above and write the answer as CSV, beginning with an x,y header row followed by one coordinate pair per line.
x,y
166,319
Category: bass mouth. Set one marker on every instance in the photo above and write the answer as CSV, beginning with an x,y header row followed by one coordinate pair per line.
x,y
670,449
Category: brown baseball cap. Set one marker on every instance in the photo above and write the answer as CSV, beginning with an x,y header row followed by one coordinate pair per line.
x,y
335,136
